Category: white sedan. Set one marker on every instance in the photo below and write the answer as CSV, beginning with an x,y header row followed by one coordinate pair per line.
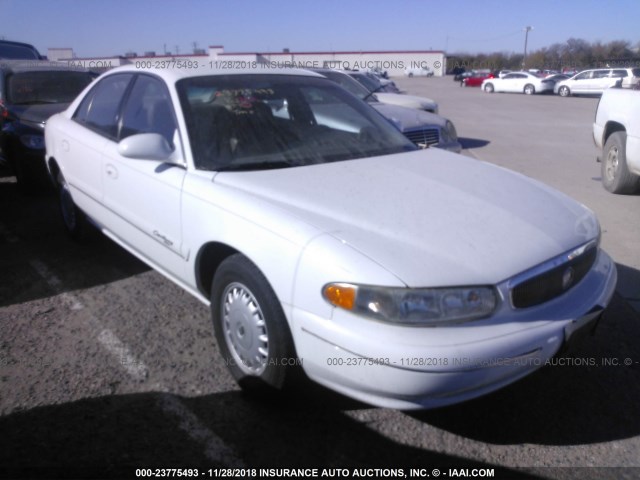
x,y
517,82
385,272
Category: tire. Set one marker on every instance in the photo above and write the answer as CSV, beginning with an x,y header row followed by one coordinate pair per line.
x,y
529,89
74,220
564,91
410,75
616,177
489,88
251,329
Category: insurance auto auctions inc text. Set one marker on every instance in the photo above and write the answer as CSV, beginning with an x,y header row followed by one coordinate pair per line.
x,y
375,473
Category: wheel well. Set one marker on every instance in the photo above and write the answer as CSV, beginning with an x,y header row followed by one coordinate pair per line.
x,y
54,170
209,258
611,128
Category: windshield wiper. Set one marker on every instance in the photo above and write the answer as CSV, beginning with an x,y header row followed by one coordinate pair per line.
x,y
266,165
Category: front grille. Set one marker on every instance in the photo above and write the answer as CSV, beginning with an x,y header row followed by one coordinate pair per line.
x,y
554,282
425,136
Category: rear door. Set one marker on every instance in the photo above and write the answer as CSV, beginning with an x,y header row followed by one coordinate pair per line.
x,y
84,138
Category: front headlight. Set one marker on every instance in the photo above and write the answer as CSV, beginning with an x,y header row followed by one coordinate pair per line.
x,y
449,133
413,306
35,142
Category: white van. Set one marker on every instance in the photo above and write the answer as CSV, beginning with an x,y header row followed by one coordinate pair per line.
x,y
596,81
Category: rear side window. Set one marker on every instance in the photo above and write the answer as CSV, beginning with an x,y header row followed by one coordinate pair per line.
x,y
636,72
99,109
619,73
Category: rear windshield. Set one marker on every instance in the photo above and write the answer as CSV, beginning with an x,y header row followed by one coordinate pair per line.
x,y
31,88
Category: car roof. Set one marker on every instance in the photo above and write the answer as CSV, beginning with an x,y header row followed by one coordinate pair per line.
x,y
172,75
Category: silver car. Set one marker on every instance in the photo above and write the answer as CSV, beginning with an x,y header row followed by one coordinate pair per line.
x,y
423,128
596,81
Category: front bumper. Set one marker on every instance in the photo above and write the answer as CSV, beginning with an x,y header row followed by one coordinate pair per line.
x,y
427,367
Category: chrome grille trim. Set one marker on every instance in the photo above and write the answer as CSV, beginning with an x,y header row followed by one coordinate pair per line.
x,y
570,258
424,136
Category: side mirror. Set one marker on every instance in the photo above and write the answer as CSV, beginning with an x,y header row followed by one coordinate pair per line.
x,y
146,146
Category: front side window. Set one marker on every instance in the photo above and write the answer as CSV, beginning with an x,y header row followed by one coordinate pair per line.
x,y
148,110
46,86
99,109
600,73
248,122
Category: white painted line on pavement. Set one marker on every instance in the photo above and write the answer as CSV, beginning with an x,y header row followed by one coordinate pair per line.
x,y
215,449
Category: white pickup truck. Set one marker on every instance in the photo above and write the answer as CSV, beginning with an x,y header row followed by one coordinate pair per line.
x,y
616,133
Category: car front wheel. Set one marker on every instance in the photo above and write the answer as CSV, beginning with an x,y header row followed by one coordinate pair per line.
x,y
564,91
529,89
616,177
251,328
74,219
488,88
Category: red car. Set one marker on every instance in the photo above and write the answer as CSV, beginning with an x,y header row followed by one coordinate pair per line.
x,y
476,80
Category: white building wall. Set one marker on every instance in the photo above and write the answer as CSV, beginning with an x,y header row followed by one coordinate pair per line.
x,y
394,63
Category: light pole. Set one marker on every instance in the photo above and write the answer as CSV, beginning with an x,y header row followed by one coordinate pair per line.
x,y
526,37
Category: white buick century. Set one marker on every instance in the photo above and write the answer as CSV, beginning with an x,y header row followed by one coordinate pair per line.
x,y
401,277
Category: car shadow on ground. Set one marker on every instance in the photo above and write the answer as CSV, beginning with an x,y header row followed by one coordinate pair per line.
x,y
32,233
114,435
469,143
587,395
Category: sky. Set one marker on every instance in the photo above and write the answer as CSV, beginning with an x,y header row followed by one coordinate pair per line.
x,y
113,27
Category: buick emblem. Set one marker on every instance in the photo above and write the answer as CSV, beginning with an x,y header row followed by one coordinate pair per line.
x,y
567,278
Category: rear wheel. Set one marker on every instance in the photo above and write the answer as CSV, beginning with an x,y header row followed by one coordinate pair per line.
x,y
564,91
616,177
251,328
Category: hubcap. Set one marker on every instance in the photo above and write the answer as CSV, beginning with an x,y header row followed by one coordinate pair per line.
x,y
611,164
245,329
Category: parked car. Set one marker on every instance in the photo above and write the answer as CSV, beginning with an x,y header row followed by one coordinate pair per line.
x,y
418,72
462,75
409,101
385,272
30,92
18,51
425,129
596,81
476,79
517,82
616,133
555,78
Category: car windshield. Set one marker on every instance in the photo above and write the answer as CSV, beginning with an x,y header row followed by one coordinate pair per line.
x,y
349,84
369,83
37,87
248,122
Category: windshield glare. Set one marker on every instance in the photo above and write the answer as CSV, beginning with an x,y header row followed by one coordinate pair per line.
x,y
30,88
245,122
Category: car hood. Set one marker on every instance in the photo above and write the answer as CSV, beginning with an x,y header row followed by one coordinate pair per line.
x,y
410,101
430,217
37,113
408,118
